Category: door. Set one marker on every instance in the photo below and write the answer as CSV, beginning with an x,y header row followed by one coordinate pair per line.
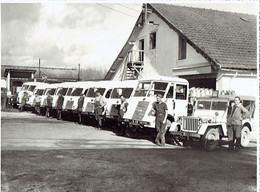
x,y
181,99
141,50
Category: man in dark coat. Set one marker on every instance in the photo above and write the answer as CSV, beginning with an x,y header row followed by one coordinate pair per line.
x,y
79,109
48,105
59,105
238,113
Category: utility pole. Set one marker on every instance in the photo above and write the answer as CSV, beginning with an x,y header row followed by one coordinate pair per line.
x,y
39,68
79,72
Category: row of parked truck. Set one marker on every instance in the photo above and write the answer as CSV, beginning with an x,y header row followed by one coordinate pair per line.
x,y
189,119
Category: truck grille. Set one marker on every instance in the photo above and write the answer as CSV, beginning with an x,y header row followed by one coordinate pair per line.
x,y
69,105
140,110
90,107
190,124
114,110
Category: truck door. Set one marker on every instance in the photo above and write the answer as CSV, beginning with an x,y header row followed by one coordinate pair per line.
x,y
181,100
170,100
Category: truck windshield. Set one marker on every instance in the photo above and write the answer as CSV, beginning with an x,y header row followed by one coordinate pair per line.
x,y
69,91
51,91
31,88
62,91
219,105
77,92
203,105
91,92
25,87
121,91
157,88
39,91
142,89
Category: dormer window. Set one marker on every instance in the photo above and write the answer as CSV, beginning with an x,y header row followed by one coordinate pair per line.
x,y
182,48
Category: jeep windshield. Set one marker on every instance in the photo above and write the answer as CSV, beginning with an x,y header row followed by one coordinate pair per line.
x,y
212,105
92,91
150,89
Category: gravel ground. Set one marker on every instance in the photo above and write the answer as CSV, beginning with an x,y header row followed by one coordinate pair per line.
x,y
40,154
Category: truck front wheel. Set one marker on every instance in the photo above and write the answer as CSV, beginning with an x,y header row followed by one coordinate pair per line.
x,y
245,136
211,140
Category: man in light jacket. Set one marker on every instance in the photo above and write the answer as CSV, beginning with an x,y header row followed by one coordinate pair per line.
x,y
238,113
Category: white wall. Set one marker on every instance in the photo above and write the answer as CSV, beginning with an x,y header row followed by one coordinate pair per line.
x,y
241,84
164,57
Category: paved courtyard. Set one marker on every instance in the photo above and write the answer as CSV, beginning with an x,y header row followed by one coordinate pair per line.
x,y
44,154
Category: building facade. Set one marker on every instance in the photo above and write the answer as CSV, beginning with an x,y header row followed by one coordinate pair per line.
x,y
211,49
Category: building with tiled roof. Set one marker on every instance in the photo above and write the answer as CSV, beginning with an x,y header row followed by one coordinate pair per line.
x,y
209,48
14,76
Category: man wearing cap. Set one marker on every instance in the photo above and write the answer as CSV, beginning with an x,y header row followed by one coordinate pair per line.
x,y
99,107
79,109
161,112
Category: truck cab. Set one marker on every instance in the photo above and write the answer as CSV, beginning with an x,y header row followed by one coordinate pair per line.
x,y
126,88
174,93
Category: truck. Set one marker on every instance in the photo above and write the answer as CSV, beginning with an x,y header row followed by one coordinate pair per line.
x,y
174,93
208,124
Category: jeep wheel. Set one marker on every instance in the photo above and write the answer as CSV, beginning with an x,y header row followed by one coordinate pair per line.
x,y
211,141
245,136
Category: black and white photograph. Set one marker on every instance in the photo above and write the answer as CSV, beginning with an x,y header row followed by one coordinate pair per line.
x,y
130,96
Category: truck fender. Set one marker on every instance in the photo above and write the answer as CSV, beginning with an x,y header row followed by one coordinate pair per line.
x,y
203,129
174,127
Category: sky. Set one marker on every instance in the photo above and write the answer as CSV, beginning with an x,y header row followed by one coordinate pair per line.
x,y
68,34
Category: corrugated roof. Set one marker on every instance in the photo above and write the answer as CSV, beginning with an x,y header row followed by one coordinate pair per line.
x,y
227,39
50,72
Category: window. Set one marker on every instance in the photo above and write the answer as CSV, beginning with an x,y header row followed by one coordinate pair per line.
x,y
85,92
108,93
31,88
181,92
142,89
121,91
218,105
69,92
204,105
76,92
170,92
182,48
92,91
157,88
153,40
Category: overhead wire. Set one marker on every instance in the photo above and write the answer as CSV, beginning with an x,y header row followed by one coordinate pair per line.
x,y
128,7
116,10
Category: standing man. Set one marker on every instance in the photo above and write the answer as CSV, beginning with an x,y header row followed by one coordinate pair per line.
x,y
59,105
48,105
238,113
37,104
79,109
23,102
161,113
99,107
121,111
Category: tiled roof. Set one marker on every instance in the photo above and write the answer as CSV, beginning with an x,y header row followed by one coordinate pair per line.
x,y
227,40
